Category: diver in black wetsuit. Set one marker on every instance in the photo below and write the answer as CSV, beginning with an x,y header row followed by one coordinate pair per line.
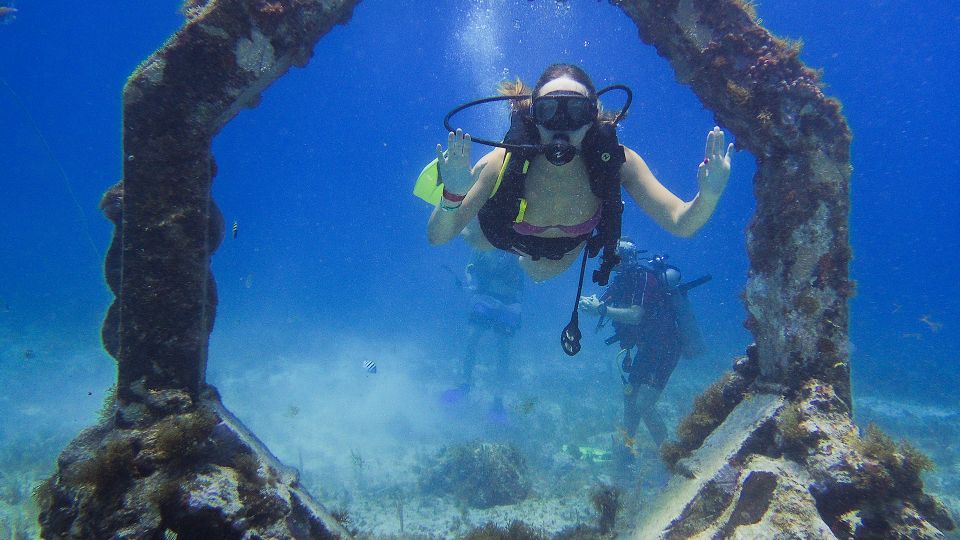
x,y
654,326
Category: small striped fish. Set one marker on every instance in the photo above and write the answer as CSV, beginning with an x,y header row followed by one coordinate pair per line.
x,y
236,229
370,366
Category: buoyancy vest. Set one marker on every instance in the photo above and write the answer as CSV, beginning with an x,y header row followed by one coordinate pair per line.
x,y
644,287
603,155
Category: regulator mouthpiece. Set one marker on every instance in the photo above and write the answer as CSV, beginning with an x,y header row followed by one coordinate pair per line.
x,y
560,151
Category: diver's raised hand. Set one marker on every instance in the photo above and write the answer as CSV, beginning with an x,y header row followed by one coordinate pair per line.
x,y
454,164
714,171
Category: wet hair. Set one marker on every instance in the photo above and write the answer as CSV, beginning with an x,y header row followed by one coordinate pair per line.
x,y
554,71
515,88
570,71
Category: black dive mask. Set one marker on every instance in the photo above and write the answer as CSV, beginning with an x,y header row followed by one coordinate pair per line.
x,y
556,111
563,110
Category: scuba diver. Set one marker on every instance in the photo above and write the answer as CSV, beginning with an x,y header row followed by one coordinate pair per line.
x,y
496,282
552,187
654,325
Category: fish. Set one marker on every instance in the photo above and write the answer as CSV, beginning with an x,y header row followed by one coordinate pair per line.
x,y
526,406
236,229
7,14
29,354
628,441
370,366
932,324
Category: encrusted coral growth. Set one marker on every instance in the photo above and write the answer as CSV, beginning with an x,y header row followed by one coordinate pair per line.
x,y
798,468
798,242
710,408
749,7
109,467
606,501
192,9
865,486
903,462
792,435
176,101
180,437
189,468
797,300
739,93
478,474
161,460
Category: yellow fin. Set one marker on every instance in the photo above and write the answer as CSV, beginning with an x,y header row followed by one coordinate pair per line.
x,y
428,186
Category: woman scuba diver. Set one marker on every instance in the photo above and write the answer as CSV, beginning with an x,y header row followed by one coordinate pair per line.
x,y
552,187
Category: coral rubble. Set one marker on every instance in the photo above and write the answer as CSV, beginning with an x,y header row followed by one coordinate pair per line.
x,y
479,474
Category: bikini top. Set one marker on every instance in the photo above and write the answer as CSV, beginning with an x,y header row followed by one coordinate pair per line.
x,y
579,229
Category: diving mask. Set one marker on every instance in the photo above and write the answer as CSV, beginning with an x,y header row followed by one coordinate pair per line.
x,y
559,108
563,110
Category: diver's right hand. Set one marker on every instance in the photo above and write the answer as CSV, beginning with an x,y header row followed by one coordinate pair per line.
x,y
590,304
454,164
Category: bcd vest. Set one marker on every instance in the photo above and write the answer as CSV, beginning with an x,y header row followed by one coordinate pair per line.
x,y
603,155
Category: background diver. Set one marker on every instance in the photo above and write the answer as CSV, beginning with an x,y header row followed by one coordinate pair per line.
x,y
495,281
654,325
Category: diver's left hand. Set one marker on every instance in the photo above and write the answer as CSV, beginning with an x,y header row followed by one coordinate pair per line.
x,y
714,171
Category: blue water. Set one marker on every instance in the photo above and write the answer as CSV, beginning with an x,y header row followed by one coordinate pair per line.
x,y
331,262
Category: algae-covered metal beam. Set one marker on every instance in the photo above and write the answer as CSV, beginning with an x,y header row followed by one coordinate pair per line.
x,y
770,450
167,459
798,241
173,105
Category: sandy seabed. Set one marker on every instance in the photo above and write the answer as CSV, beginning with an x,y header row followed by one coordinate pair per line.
x,y
363,440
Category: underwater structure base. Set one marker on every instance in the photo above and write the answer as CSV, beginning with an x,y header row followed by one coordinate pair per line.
x,y
781,468
175,465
